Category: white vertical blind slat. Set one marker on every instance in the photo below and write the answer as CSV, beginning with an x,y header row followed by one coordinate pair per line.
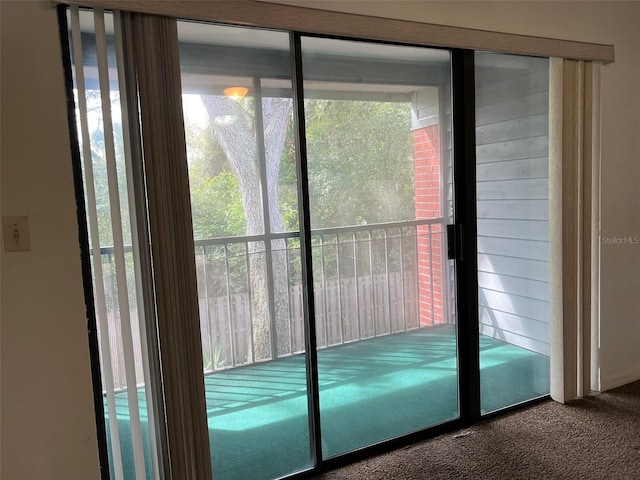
x,y
118,245
99,290
590,228
585,246
594,305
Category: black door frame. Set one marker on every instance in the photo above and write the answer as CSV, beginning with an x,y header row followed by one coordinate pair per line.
x,y
465,257
464,239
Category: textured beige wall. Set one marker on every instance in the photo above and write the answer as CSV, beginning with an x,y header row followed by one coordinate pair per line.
x,y
46,421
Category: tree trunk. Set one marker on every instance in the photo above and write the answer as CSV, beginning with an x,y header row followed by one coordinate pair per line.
x,y
234,129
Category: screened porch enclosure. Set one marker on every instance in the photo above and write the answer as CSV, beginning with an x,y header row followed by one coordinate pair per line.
x,y
257,415
349,311
367,287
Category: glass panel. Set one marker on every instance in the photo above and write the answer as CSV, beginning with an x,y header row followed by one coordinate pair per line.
x,y
237,98
512,123
387,357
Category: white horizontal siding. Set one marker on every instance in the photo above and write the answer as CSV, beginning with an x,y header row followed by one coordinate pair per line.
x,y
527,287
513,324
516,339
523,127
524,307
492,88
513,209
525,229
522,188
524,168
513,247
512,108
516,149
512,201
514,267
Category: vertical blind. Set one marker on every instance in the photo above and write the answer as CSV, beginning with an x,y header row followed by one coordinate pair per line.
x,y
175,409
574,179
111,341
172,249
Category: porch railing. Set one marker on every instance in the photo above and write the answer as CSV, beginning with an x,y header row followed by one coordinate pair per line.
x,y
366,285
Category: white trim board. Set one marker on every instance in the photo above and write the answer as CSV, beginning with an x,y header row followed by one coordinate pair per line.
x,y
619,379
309,20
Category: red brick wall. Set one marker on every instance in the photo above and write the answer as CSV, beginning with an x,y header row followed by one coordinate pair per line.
x,y
426,143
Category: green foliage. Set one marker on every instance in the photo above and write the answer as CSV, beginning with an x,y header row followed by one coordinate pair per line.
x,y
288,182
360,170
215,361
100,171
360,162
216,205
203,150
360,166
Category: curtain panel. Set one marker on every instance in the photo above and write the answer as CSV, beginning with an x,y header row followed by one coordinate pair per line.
x,y
157,65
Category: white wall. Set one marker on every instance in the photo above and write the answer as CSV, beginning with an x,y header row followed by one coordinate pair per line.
x,y
47,420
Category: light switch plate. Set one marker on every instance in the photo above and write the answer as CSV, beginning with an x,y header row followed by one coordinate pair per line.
x,y
15,234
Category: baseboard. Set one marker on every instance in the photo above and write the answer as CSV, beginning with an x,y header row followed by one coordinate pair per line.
x,y
619,379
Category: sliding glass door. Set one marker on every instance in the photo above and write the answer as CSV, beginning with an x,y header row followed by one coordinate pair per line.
x,y
375,116
237,97
335,312
384,330
512,178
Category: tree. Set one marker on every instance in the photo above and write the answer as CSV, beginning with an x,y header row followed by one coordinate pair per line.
x,y
360,162
360,172
233,125
216,205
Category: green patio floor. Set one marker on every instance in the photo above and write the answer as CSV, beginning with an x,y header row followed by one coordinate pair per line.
x,y
369,391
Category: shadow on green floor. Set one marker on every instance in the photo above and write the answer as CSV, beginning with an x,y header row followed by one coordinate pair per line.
x,y
369,391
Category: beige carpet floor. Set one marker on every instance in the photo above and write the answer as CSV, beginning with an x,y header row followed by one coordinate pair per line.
x,y
597,437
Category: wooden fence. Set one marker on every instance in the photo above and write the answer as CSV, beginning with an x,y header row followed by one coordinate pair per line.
x,y
347,310
366,285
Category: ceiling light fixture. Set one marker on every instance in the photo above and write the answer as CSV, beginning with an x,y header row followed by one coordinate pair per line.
x,y
235,92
